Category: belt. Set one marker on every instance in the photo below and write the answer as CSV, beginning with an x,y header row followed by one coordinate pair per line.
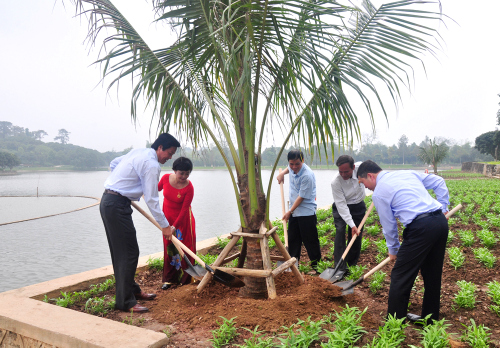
x,y
421,216
113,192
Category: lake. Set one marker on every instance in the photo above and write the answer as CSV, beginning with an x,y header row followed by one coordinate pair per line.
x,y
53,247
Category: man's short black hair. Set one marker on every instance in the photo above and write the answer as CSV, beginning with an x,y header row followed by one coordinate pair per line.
x,y
345,159
166,141
368,167
182,163
295,154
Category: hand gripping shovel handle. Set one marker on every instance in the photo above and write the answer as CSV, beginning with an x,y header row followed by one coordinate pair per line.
x,y
359,229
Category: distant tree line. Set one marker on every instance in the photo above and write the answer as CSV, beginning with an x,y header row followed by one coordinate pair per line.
x,y
29,150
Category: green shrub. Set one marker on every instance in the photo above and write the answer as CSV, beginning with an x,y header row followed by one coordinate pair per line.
x,y
391,335
434,335
355,272
347,328
301,334
365,243
467,237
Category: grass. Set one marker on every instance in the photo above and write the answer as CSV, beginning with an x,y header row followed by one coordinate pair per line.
x,y
347,328
485,257
365,243
476,336
467,237
381,246
99,305
487,238
465,297
68,299
258,340
355,272
391,335
322,265
377,281
457,257
373,230
494,291
155,264
434,335
224,334
301,334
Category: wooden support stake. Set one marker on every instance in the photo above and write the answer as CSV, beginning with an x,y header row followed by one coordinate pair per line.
x,y
286,255
245,272
208,276
284,266
248,235
231,258
271,231
277,258
266,262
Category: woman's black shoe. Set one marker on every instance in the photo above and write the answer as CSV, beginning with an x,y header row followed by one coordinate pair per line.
x,y
166,286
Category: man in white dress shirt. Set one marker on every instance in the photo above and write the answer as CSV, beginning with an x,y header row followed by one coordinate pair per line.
x,y
348,209
133,175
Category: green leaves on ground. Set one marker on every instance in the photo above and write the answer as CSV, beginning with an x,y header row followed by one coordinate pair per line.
x,y
476,336
457,257
224,334
465,297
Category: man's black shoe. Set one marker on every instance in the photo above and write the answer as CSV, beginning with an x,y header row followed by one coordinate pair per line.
x,y
414,318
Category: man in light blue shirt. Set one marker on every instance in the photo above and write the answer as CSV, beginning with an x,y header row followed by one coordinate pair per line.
x,y
133,175
302,215
403,195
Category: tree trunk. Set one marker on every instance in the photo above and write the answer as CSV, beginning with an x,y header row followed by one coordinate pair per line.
x,y
254,287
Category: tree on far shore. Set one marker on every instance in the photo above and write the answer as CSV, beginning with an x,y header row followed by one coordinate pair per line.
x,y
63,136
489,143
8,160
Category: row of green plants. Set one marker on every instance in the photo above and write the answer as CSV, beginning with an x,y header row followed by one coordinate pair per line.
x,y
93,303
344,329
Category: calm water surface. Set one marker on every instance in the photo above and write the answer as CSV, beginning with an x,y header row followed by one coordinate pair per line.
x,y
45,249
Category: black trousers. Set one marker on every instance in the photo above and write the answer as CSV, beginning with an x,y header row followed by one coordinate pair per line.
x,y
302,229
423,248
358,212
116,215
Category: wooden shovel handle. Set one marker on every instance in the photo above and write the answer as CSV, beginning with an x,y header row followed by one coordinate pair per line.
x,y
150,218
283,211
359,229
453,211
376,268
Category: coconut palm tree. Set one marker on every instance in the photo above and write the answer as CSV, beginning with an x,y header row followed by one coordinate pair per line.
x,y
433,153
238,66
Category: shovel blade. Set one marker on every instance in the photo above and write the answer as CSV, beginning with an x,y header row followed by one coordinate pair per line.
x,y
333,275
191,270
227,279
345,284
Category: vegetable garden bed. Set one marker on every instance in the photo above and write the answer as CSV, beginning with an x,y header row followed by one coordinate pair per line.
x,y
310,315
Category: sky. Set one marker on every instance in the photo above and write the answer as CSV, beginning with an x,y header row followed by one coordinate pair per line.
x,y
48,82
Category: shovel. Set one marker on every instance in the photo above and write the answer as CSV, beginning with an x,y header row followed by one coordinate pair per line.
x,y
197,271
348,285
333,275
284,226
220,276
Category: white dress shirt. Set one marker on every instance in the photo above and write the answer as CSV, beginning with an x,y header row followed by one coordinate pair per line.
x,y
346,192
135,174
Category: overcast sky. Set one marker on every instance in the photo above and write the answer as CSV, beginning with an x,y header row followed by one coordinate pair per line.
x,y
47,81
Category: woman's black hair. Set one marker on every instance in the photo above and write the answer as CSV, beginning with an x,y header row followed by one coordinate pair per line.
x,y
295,154
182,163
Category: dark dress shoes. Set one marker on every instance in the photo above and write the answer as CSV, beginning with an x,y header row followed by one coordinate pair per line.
x,y
166,286
138,309
144,296
414,318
